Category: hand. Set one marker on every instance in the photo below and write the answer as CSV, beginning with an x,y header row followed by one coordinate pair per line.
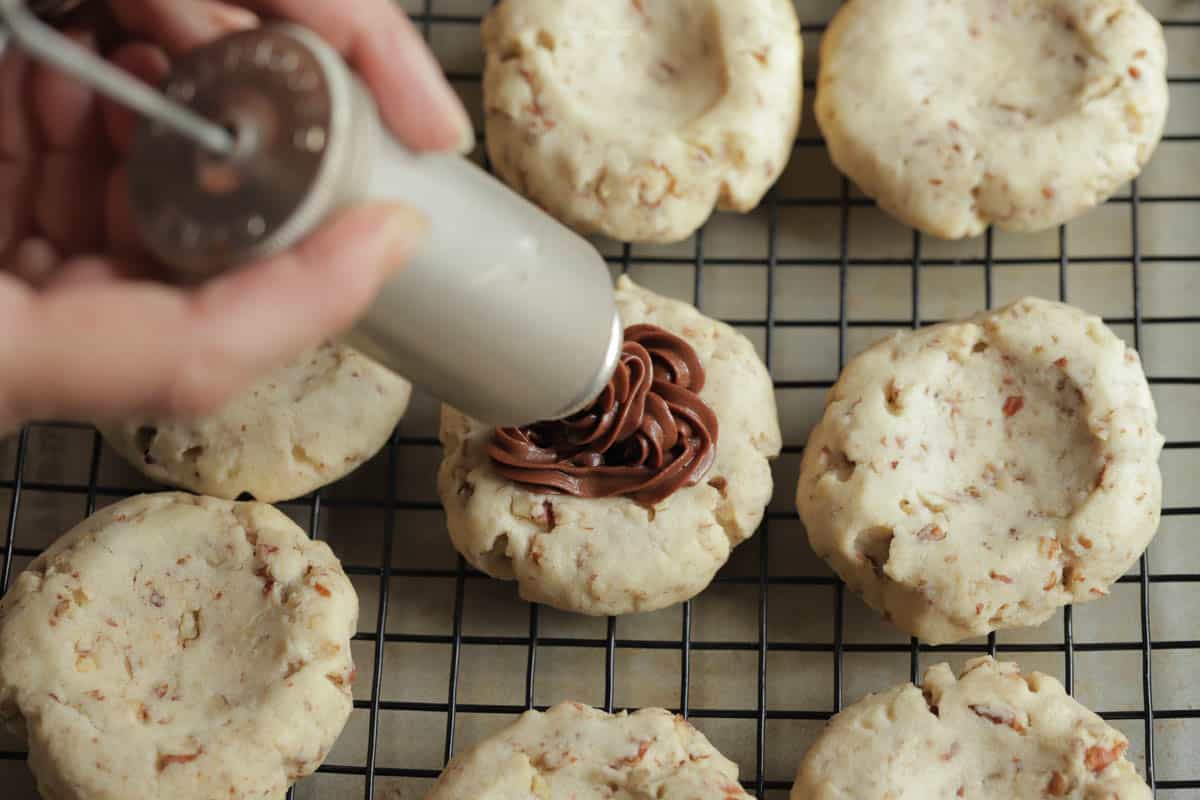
x,y
85,330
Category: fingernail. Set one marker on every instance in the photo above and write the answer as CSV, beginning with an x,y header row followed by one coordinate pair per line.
x,y
466,141
400,228
35,260
232,18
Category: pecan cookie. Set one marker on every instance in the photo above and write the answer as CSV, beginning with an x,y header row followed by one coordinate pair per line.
x,y
582,753
977,475
178,646
993,733
645,518
636,119
1024,114
298,428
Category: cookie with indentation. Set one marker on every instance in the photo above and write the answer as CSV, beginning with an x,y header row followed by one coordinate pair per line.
x,y
298,428
954,116
615,555
636,119
977,475
993,733
178,646
585,754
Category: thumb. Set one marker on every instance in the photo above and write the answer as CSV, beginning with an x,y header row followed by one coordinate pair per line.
x,y
326,282
268,312
163,349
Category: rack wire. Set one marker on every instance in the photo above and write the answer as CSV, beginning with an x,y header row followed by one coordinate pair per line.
x,y
407,774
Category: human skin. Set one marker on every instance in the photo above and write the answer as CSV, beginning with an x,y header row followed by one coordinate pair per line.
x,y
86,329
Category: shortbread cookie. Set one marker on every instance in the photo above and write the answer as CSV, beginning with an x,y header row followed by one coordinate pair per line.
x,y
977,475
991,734
297,429
624,553
584,754
178,646
636,119
957,115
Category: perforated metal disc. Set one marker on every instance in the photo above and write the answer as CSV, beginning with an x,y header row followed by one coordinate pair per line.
x,y
202,214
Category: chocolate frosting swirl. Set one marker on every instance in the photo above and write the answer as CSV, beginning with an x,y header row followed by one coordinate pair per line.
x,y
647,435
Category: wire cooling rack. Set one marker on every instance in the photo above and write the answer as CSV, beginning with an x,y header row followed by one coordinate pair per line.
x,y
776,645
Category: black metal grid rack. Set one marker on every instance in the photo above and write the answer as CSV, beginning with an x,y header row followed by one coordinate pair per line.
x,y
371,700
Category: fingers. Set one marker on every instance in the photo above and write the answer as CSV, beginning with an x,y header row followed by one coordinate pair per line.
x,y
64,108
69,206
378,39
121,231
15,299
93,270
34,261
75,348
297,300
94,349
149,64
180,25
381,43
18,136
17,188
18,151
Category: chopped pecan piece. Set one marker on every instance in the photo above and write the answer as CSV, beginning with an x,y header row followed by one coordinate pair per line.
x,y
165,759
60,608
929,701
1098,758
1058,785
189,627
931,533
1048,547
998,715
342,681
891,395
629,761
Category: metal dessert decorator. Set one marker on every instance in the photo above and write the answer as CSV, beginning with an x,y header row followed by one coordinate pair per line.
x,y
258,136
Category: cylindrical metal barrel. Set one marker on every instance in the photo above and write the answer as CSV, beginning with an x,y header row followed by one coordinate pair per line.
x,y
503,312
